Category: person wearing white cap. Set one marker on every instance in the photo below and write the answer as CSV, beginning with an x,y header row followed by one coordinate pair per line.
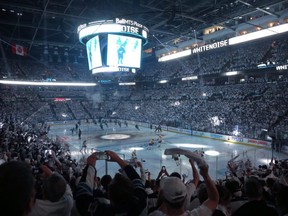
x,y
173,195
190,185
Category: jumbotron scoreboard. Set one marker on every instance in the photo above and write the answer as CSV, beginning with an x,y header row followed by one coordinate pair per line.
x,y
113,45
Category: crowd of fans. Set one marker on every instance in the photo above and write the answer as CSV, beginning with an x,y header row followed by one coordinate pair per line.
x,y
232,58
250,106
38,176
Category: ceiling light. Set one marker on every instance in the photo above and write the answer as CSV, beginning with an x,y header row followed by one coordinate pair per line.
x,y
259,34
127,83
212,153
231,73
14,82
175,55
189,78
163,81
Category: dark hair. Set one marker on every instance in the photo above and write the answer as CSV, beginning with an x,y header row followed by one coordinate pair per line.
x,y
282,199
148,184
16,188
105,180
120,190
224,194
176,174
54,187
202,193
270,182
233,186
253,188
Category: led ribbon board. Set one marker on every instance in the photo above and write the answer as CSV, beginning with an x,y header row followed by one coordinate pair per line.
x,y
118,26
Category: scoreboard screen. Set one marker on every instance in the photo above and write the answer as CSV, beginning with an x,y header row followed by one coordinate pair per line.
x,y
113,45
94,53
124,51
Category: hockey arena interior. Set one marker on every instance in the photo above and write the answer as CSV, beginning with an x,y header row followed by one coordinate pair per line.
x,y
133,107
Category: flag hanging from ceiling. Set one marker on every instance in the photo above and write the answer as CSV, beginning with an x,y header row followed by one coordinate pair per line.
x,y
19,50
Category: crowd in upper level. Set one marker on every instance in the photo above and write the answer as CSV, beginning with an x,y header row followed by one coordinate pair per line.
x,y
269,51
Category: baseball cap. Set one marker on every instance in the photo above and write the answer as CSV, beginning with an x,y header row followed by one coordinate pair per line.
x,y
173,189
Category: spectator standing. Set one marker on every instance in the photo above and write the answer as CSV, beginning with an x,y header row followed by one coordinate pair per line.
x,y
256,205
57,197
173,194
127,195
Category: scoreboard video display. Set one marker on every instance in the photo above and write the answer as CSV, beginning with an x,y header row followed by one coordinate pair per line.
x,y
124,51
113,45
94,53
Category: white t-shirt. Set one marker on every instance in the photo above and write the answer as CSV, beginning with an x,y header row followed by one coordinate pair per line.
x,y
62,207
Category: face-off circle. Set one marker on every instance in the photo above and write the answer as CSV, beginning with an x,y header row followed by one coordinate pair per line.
x,y
115,136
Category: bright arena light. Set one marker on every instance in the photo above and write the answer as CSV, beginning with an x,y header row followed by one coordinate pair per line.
x,y
175,55
189,78
264,160
127,83
136,148
14,82
164,157
231,73
259,34
163,81
190,145
115,136
212,153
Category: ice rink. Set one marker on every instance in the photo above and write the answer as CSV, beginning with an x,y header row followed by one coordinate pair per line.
x,y
123,140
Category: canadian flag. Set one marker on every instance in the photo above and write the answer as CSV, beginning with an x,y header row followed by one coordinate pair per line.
x,y
19,50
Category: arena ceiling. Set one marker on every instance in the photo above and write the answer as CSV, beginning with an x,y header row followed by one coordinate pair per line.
x,y
37,23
